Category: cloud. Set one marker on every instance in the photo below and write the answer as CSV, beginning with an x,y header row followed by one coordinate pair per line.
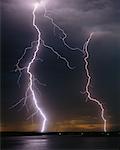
x,y
94,15
100,15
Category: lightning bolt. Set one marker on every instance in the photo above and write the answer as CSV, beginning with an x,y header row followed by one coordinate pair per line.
x,y
20,69
85,47
29,72
60,29
85,52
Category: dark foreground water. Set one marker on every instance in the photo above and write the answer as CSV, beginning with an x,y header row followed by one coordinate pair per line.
x,y
60,143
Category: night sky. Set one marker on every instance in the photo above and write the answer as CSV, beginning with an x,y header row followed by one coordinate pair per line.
x,y
61,99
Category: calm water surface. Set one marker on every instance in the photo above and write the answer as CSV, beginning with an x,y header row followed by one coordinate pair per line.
x,y
60,143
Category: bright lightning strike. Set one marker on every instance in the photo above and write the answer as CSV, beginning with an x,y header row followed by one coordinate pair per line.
x,y
85,47
28,68
30,73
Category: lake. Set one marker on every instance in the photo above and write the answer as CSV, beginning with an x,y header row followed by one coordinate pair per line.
x,y
63,142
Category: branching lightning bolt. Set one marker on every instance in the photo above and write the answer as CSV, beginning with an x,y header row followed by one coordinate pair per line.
x,y
85,47
60,29
28,69
18,68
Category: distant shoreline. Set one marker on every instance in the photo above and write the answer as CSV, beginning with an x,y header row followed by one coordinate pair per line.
x,y
82,134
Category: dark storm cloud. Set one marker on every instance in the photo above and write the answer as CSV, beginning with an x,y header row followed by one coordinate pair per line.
x,y
94,15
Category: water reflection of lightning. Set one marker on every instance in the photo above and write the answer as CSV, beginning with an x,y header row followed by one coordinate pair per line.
x,y
85,48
